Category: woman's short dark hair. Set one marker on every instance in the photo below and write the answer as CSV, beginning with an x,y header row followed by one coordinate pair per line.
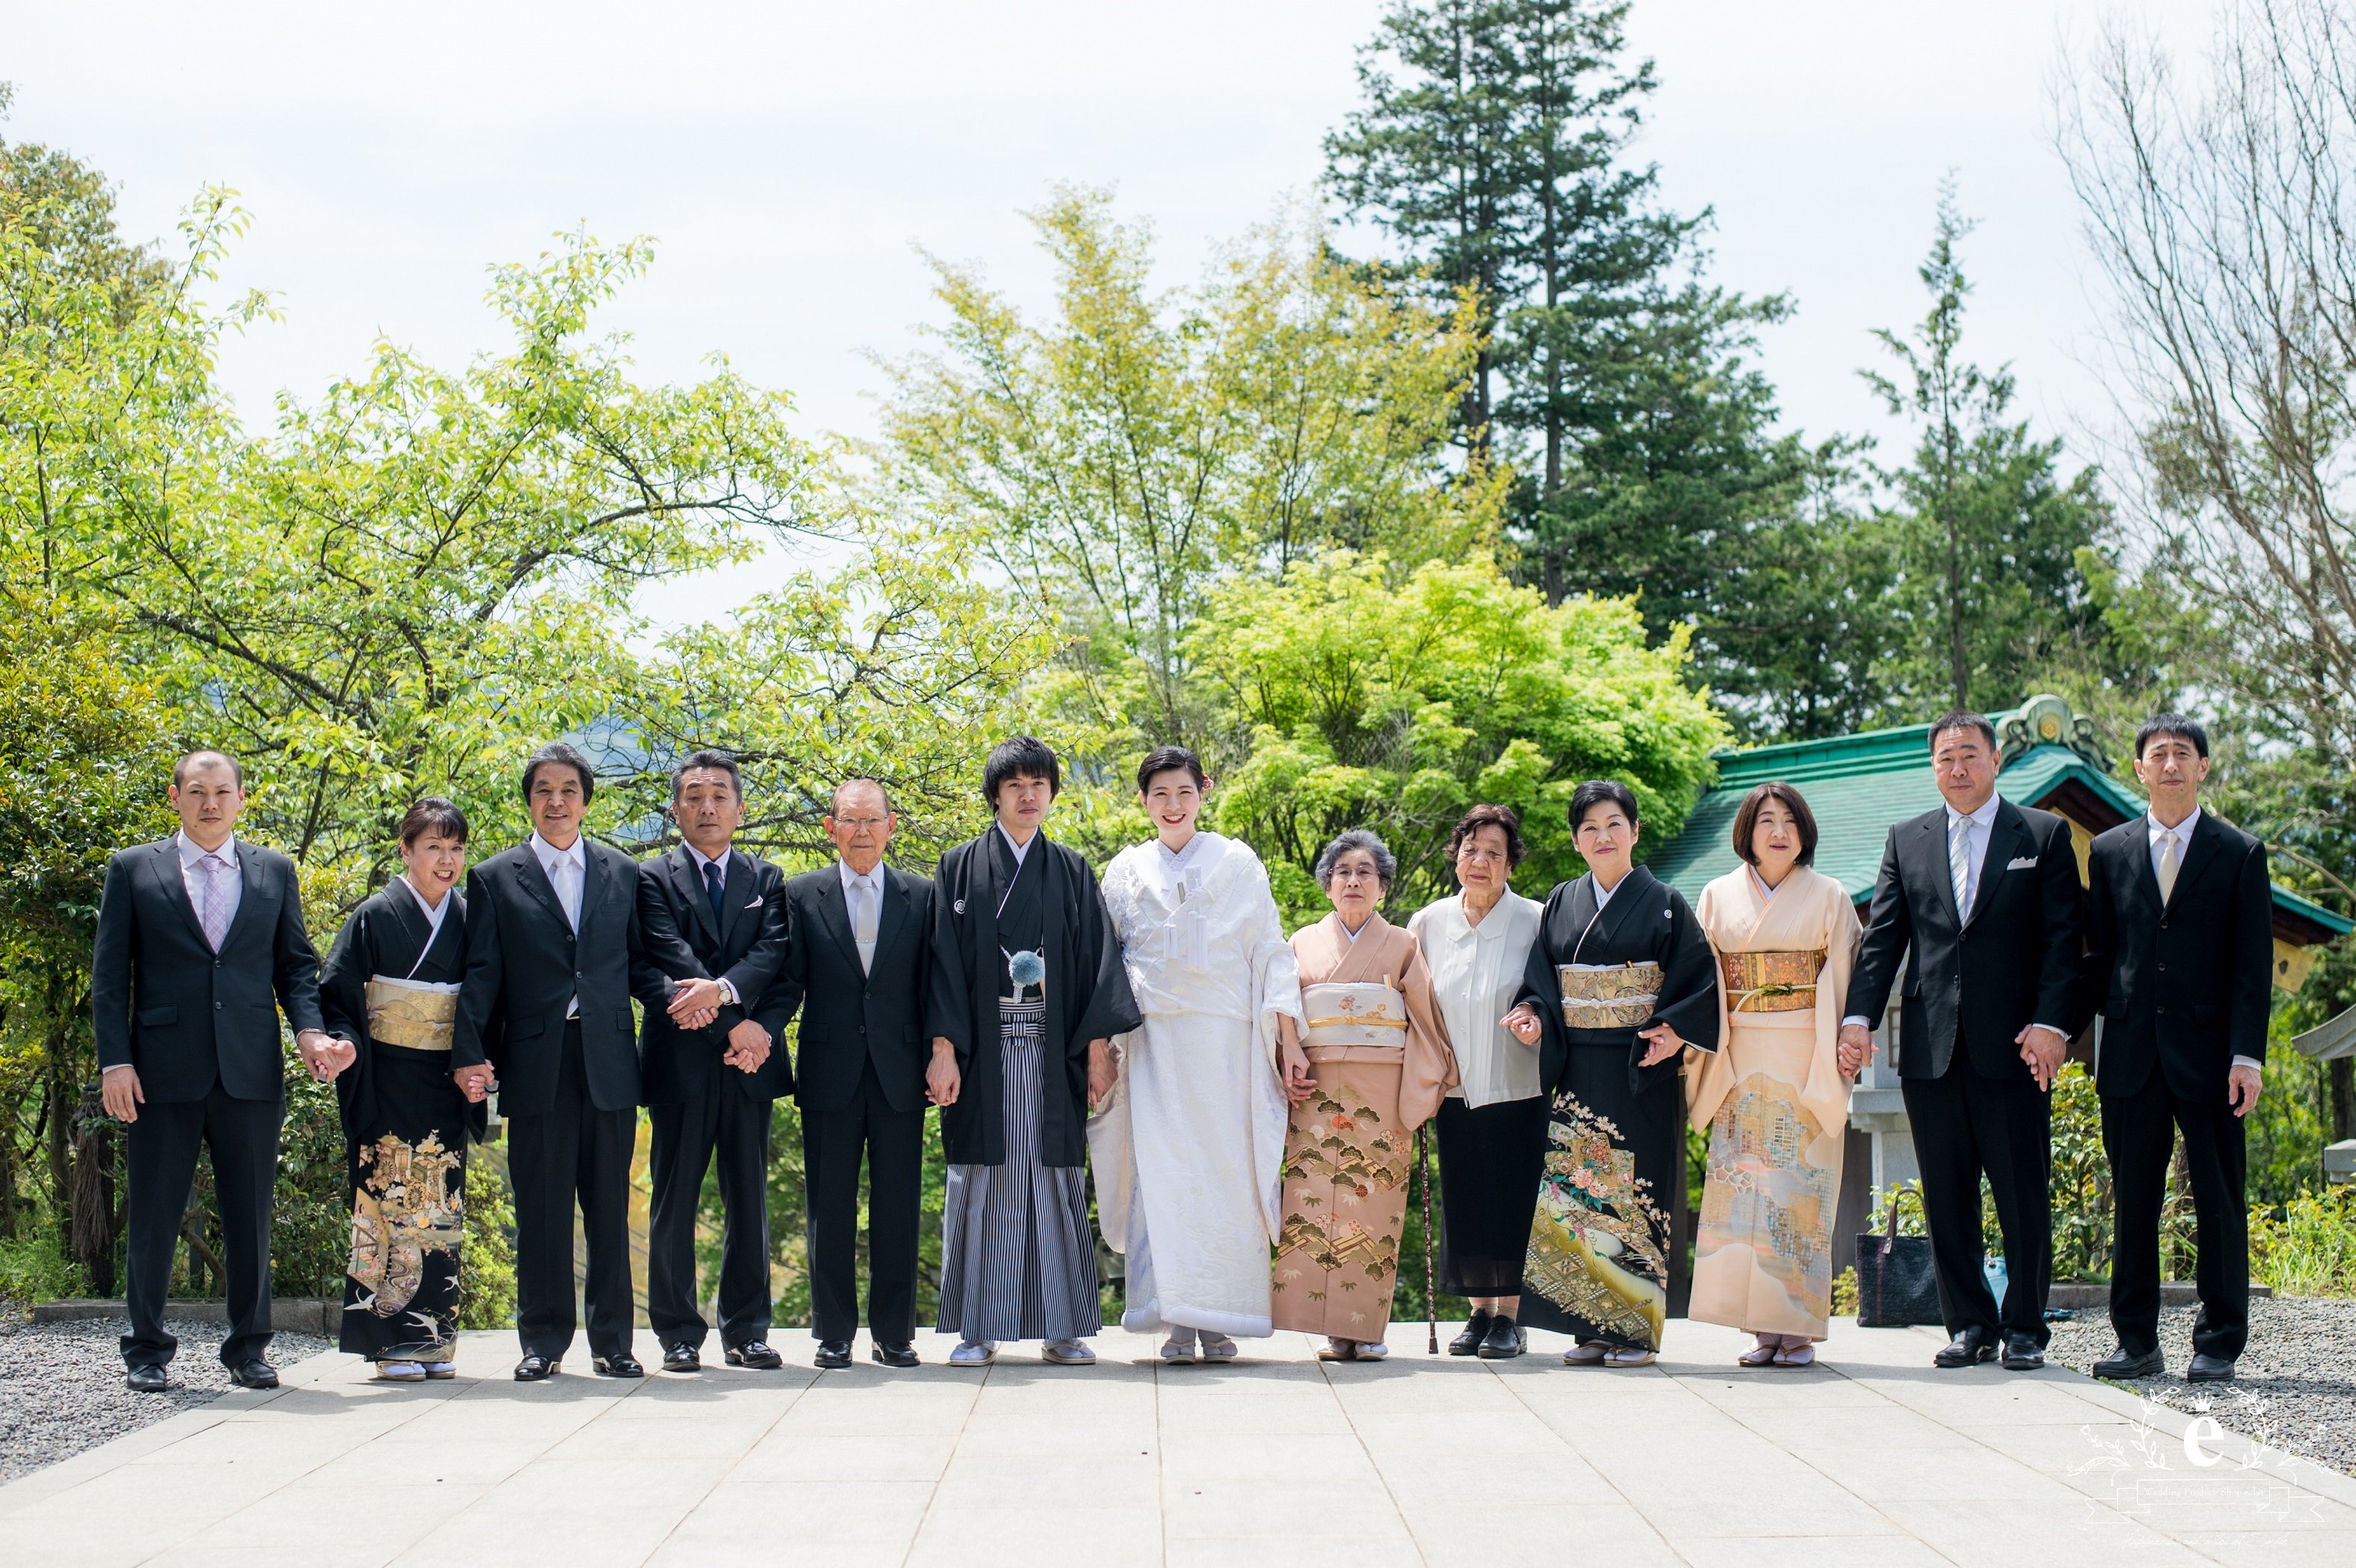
x,y
557,754
717,762
1385,863
1024,756
2177,724
1169,760
1603,792
436,815
1746,821
1502,817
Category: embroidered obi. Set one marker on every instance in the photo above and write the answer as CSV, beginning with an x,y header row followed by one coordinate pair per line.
x,y
414,1015
1770,982
1608,995
1355,1013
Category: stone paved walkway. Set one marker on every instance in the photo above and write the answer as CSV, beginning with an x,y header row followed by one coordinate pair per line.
x,y
1874,1459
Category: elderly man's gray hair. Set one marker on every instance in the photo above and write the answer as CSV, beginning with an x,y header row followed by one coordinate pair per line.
x,y
1385,863
859,782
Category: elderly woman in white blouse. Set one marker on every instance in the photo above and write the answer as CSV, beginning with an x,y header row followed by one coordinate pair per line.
x,y
1492,1126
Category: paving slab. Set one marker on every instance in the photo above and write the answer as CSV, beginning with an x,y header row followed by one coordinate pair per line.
x,y
1872,1457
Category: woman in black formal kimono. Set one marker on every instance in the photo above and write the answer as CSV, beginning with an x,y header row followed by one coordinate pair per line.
x,y
390,987
1621,983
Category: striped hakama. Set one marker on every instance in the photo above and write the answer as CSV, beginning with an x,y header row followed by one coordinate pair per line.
x,y
1018,1255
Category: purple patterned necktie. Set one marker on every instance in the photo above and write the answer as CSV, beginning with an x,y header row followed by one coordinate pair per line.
x,y
215,911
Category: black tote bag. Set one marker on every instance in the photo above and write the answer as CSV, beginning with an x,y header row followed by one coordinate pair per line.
x,y
1896,1285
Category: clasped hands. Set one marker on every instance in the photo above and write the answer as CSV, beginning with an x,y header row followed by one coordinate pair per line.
x,y
696,1004
1661,1041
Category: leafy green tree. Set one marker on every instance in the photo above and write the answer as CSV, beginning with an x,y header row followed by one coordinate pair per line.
x,y
1989,533
1361,701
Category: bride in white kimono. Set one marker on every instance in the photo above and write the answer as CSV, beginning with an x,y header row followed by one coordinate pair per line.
x,y
1187,1150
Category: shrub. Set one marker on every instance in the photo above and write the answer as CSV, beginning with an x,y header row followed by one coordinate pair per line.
x,y
486,1269
34,1268
2309,1246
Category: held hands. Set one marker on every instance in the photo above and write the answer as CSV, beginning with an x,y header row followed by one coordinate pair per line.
x,y
748,1047
474,1082
118,1088
1103,1073
1856,1049
2042,1049
1522,1023
2242,1090
1298,1084
1661,1042
694,1004
942,1080
323,1054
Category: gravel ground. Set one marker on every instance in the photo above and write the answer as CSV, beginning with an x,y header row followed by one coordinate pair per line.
x,y
2294,1387
62,1385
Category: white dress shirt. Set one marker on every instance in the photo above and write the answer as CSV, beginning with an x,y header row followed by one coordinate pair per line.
x,y
568,871
2157,838
1476,973
870,888
233,885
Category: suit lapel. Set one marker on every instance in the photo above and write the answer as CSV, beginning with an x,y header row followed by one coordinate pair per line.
x,y
2007,835
687,880
835,915
533,878
1933,855
2206,839
252,890
2136,851
174,886
899,908
739,887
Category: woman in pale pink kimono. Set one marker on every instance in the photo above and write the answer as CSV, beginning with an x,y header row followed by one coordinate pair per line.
x,y
1775,1099
1373,1068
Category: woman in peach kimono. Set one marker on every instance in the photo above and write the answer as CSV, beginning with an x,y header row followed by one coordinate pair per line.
x,y
1775,1099
1372,1069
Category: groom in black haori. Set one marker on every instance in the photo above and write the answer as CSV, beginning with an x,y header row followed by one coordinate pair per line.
x,y
1027,991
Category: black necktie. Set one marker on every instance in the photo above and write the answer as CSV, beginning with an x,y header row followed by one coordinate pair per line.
x,y
711,885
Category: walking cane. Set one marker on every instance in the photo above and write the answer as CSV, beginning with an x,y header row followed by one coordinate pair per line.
x,y
1430,1302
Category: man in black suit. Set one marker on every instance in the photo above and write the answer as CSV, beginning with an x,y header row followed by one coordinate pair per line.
x,y
2180,961
710,1090
554,953
200,945
1985,894
856,966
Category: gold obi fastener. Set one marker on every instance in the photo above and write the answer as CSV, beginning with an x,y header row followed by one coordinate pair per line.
x,y
1355,1013
1770,982
1608,995
411,1015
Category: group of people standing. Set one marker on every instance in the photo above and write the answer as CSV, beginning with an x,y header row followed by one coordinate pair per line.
x,y
1250,1103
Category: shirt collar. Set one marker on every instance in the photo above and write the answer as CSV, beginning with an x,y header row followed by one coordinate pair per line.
x,y
190,854
851,878
550,855
1983,817
703,859
2183,830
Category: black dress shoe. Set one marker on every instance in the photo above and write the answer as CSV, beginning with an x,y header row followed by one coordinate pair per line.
x,y
757,1354
2125,1367
684,1358
146,1380
255,1373
833,1355
618,1367
535,1368
1476,1328
1969,1347
2022,1353
1504,1341
903,1354
2208,1369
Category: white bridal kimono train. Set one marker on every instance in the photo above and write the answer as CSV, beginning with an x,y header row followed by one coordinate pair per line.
x,y
1188,1151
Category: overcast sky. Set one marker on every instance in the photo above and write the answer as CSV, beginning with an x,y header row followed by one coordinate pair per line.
x,y
787,155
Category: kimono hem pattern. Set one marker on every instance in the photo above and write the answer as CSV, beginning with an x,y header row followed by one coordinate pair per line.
x,y
1188,1151
1774,1102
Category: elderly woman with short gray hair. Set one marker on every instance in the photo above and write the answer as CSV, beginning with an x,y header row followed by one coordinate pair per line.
x,y
1371,1067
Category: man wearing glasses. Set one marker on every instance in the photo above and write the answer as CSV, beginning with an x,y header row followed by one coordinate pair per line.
x,y
862,933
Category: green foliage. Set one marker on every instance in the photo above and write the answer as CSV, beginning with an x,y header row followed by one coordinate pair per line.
x,y
2307,1246
1353,699
486,1269
33,1268
2080,1179
311,1212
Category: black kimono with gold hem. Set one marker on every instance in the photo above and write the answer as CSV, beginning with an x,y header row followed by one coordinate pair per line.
x,y
1603,1252
405,1128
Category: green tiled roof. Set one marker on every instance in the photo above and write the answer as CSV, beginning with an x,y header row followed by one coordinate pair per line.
x,y
1860,786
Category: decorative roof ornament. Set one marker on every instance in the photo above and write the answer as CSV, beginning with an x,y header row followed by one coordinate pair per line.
x,y
2046,721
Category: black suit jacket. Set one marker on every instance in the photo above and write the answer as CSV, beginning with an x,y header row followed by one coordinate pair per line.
x,y
747,949
851,1016
524,966
182,1015
2185,984
2012,961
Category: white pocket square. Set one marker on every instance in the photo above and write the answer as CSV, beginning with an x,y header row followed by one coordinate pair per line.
x,y
756,898
2023,864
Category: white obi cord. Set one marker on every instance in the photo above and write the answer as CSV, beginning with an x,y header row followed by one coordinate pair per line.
x,y
1358,1012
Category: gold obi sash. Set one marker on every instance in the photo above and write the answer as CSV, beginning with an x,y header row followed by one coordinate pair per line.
x,y
1357,1015
1770,982
411,1015
1608,995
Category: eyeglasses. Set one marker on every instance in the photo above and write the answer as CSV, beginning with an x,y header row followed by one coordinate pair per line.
x,y
861,821
1342,874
